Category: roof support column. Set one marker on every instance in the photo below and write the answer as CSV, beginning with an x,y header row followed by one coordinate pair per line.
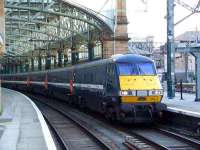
x,y
32,63
16,67
186,67
91,50
9,68
39,62
197,69
20,65
12,67
74,54
26,65
4,69
60,58
54,62
65,59
91,45
48,61
8,65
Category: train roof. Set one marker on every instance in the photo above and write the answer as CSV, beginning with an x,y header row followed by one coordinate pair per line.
x,y
119,58
130,58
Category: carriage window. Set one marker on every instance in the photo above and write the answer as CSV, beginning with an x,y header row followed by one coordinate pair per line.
x,y
136,69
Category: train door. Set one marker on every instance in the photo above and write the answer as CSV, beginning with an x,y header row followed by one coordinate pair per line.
x,y
111,80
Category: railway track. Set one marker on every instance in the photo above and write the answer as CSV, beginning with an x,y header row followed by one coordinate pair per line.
x,y
160,139
111,137
73,134
105,137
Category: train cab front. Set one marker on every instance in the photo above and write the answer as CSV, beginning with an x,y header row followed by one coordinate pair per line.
x,y
140,92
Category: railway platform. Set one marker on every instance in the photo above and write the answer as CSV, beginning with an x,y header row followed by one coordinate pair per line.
x,y
186,106
22,126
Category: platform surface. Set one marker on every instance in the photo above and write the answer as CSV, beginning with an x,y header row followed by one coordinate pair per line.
x,y
187,106
22,126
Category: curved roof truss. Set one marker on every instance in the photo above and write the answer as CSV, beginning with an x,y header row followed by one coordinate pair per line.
x,y
34,24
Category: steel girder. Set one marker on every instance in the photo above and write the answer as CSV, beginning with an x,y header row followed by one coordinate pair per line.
x,y
38,21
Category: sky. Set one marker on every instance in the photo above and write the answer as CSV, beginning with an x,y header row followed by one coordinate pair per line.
x,y
147,17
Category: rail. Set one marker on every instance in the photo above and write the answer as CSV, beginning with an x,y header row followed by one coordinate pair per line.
x,y
56,133
139,138
133,143
96,136
163,140
185,139
140,142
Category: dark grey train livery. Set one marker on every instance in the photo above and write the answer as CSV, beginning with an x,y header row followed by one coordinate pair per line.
x,y
124,87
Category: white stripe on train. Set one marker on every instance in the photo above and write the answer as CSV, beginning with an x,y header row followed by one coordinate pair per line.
x,y
67,85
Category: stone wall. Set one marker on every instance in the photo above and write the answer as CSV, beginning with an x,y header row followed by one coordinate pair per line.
x,y
120,38
2,27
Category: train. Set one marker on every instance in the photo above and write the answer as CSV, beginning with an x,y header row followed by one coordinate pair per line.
x,y
125,87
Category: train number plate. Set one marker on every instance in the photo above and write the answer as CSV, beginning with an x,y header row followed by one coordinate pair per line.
x,y
141,93
141,99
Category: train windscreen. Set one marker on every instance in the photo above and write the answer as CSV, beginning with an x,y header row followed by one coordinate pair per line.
x,y
136,69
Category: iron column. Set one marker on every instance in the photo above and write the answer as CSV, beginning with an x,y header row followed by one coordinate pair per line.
x,y
197,69
90,51
65,59
59,57
48,59
39,62
170,49
32,63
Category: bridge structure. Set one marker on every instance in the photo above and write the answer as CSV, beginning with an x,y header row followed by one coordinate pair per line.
x,y
45,34
192,48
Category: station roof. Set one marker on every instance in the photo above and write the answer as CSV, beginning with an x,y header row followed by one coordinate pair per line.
x,y
33,25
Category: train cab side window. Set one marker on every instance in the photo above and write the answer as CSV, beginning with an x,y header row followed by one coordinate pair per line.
x,y
110,70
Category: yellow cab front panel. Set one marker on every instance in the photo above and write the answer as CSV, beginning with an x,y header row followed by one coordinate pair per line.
x,y
140,83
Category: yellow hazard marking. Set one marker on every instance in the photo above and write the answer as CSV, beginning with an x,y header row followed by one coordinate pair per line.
x,y
136,99
139,82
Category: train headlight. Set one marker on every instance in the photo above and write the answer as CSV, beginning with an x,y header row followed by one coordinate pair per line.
x,y
124,93
156,92
127,93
